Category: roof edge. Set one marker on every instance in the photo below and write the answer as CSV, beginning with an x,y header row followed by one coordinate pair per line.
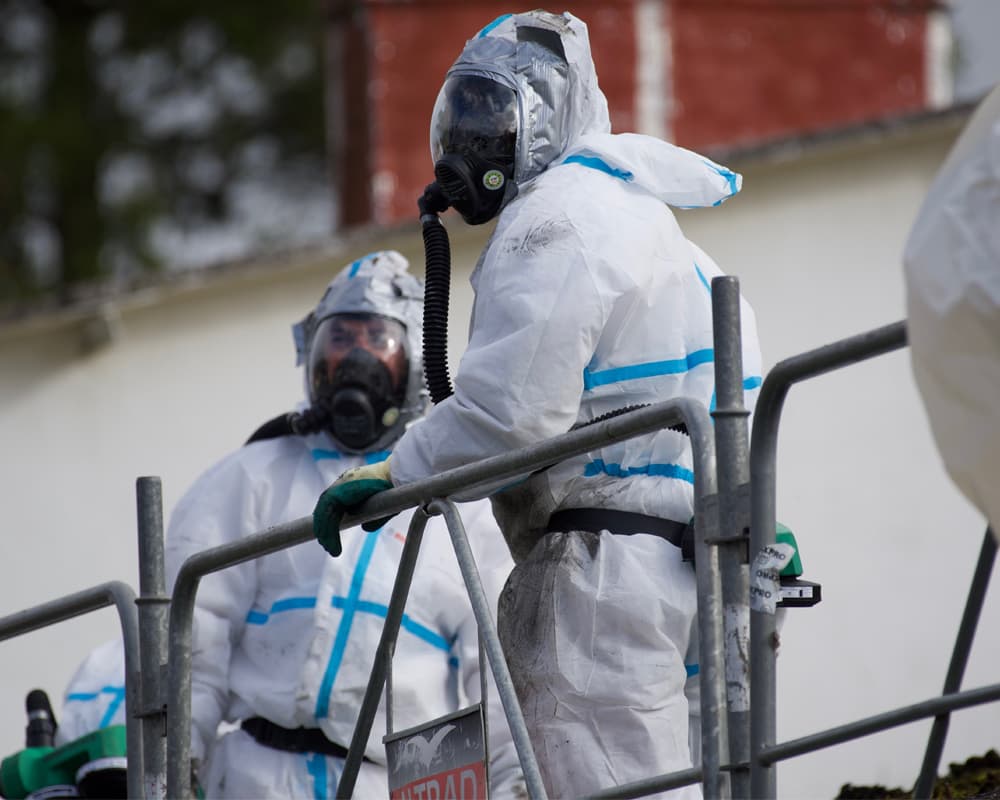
x,y
93,299
790,148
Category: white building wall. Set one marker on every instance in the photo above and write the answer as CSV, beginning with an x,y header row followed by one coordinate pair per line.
x,y
183,382
816,242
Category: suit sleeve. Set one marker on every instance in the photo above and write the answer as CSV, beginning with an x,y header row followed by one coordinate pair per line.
x,y
538,314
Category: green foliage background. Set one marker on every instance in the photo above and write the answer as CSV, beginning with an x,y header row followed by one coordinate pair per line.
x,y
118,117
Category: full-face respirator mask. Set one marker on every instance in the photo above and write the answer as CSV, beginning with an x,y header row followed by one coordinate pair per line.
x,y
357,376
473,135
360,347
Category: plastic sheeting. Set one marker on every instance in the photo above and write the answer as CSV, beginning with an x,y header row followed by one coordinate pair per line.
x,y
952,271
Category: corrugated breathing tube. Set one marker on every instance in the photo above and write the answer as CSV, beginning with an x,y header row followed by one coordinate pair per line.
x,y
437,285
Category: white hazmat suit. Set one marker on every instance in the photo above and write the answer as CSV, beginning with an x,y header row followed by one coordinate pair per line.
x,y
291,637
588,298
95,695
952,271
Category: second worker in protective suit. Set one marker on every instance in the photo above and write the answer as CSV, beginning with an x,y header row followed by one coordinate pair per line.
x,y
284,644
588,299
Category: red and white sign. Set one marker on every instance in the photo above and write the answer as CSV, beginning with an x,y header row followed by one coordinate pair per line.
x,y
461,783
444,759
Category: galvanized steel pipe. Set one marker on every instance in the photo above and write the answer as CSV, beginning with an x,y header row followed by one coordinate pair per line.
x,y
383,654
733,469
684,410
152,603
763,518
494,652
122,597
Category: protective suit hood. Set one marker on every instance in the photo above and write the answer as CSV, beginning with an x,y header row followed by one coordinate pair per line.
x,y
545,58
678,177
377,283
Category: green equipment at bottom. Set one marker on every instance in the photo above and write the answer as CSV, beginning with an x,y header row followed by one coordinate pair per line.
x,y
795,592
91,766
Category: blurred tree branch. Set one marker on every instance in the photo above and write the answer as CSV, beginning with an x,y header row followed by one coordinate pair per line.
x,y
127,128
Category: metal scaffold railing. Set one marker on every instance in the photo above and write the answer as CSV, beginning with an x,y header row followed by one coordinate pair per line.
x,y
765,752
122,597
711,559
433,493
735,519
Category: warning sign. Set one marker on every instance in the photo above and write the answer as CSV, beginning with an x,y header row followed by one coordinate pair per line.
x,y
464,783
442,760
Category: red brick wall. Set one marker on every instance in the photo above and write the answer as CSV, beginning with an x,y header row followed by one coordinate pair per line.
x,y
741,71
746,70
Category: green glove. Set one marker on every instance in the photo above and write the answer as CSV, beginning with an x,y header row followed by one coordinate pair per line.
x,y
345,495
196,788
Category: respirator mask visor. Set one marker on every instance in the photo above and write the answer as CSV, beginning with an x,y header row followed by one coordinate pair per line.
x,y
473,136
357,372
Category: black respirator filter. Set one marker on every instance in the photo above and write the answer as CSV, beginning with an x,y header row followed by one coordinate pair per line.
x,y
354,418
474,186
361,400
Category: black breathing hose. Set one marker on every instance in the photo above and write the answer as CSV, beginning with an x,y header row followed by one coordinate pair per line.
x,y
680,427
437,284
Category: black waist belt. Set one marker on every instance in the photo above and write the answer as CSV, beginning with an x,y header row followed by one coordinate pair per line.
x,y
622,523
299,740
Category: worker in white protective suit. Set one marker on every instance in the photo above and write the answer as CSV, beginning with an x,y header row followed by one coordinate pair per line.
x,y
284,645
95,695
95,699
588,299
952,271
